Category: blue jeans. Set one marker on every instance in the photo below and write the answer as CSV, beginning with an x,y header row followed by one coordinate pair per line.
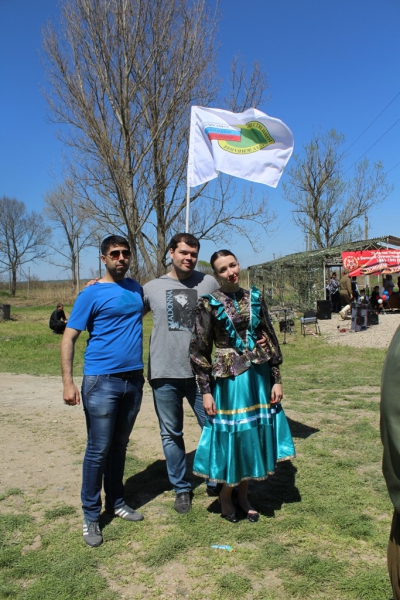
x,y
111,406
168,397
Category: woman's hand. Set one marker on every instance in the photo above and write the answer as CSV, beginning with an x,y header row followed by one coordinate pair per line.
x,y
276,393
263,341
209,405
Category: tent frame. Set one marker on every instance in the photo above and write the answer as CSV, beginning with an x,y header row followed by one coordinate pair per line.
x,y
298,280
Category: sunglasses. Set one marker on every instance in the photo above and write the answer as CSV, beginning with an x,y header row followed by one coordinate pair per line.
x,y
115,254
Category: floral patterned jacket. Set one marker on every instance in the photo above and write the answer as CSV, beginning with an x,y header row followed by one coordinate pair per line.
x,y
233,322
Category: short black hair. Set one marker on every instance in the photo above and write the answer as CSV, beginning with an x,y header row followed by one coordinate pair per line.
x,y
113,240
218,254
187,238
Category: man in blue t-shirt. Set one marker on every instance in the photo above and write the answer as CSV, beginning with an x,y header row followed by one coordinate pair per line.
x,y
111,311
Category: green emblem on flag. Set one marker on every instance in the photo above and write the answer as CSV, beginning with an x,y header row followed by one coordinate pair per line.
x,y
254,137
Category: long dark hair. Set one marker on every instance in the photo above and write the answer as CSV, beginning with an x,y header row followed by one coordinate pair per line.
x,y
218,254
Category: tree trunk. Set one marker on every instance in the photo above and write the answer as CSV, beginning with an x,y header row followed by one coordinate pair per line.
x,y
74,281
13,280
134,266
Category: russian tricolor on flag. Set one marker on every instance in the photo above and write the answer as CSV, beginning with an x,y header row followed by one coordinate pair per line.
x,y
216,132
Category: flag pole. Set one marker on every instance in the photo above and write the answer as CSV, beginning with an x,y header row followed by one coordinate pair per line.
x,y
187,208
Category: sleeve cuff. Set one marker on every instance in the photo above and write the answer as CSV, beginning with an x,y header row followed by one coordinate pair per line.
x,y
204,386
276,375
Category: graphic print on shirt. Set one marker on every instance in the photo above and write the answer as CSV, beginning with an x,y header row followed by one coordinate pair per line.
x,y
180,309
127,302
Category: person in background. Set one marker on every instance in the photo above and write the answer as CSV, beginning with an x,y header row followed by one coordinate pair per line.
x,y
354,289
58,320
374,298
334,293
346,293
388,284
363,296
327,290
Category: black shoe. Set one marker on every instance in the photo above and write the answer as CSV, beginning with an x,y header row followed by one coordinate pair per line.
x,y
214,490
252,517
183,502
232,517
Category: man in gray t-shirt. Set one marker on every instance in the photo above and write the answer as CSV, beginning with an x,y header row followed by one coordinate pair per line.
x,y
172,299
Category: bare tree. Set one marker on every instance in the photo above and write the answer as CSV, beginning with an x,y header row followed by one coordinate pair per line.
x,y
23,237
123,75
327,204
73,223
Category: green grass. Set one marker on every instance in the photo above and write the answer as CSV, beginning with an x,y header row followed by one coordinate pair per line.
x,y
10,492
27,344
325,516
59,511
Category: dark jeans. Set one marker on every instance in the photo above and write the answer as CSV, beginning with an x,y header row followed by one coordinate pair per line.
x,y
111,406
168,397
335,302
59,327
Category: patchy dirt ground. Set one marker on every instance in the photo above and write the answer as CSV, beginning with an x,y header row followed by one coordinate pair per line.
x,y
42,440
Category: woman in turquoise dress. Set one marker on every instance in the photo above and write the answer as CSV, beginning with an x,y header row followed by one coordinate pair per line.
x,y
246,431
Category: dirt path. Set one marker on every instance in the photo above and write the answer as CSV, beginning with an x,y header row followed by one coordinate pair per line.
x,y
42,440
338,332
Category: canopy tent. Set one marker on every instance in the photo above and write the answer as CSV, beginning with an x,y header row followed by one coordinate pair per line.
x,y
298,280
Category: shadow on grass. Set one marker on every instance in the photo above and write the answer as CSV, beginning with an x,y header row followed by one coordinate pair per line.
x,y
269,495
300,430
147,484
152,480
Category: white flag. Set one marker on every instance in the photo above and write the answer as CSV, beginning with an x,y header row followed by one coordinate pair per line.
x,y
250,145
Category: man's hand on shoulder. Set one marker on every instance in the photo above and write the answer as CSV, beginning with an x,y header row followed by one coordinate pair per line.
x,y
92,282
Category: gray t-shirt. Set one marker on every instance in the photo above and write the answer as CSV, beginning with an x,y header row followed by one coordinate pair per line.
x,y
172,302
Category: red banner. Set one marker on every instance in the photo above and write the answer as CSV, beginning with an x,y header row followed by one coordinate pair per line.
x,y
368,262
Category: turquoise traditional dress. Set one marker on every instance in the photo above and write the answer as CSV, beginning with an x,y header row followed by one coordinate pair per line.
x,y
248,435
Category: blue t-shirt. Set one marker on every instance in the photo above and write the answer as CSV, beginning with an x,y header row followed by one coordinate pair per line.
x,y
112,314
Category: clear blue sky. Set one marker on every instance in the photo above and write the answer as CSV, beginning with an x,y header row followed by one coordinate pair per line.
x,y
330,63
